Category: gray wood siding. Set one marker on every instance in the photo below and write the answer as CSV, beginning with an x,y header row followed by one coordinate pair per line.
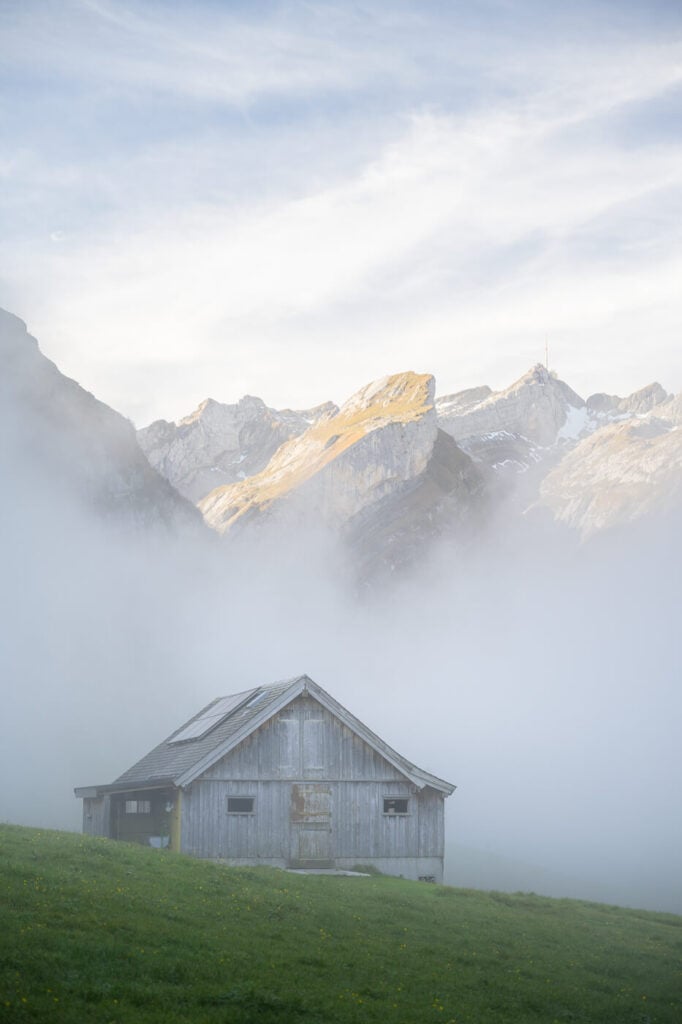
x,y
432,824
363,830
304,741
97,816
208,830
318,792
357,825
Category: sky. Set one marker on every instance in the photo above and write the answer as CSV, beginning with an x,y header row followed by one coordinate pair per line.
x,y
293,199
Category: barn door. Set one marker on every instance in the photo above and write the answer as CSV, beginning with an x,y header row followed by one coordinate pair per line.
x,y
311,825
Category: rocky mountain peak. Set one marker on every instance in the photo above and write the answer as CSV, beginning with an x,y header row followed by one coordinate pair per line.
x,y
537,374
204,410
218,443
535,408
636,404
315,413
544,386
602,404
211,410
383,433
644,400
409,394
252,404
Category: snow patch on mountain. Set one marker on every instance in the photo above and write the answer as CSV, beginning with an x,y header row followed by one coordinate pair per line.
x,y
577,423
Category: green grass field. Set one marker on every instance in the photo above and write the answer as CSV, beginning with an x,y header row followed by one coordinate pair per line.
x,y
92,930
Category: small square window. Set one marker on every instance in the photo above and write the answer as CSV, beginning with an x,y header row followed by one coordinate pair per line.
x,y
240,804
395,806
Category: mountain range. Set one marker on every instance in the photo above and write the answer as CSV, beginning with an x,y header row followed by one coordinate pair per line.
x,y
388,471
396,465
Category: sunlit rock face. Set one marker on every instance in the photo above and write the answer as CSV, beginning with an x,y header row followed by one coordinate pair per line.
x,y
70,444
221,444
383,435
373,465
622,473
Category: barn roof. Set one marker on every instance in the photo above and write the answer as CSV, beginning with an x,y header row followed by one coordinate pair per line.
x,y
224,723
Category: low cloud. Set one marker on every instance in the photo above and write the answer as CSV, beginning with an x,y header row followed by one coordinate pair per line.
x,y
540,678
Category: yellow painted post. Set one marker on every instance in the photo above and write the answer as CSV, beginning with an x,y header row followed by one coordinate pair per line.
x,y
175,833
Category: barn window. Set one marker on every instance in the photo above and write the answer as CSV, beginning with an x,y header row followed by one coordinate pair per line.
x,y
240,804
138,807
394,805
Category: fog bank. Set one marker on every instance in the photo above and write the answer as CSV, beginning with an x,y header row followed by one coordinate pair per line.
x,y
542,679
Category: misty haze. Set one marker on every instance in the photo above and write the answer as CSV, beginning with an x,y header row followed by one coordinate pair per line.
x,y
475,633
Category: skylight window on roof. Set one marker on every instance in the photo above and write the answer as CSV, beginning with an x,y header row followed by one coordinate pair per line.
x,y
212,716
257,698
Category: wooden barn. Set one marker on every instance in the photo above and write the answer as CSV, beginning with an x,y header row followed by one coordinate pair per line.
x,y
279,775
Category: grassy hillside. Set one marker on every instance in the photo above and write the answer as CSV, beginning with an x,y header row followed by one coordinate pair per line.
x,y
96,931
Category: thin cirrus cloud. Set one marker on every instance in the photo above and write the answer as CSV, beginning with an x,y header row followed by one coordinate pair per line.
x,y
202,52
330,191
